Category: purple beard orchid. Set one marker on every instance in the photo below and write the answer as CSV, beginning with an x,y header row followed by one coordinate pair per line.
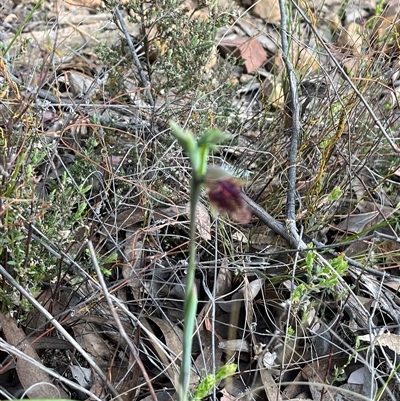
x,y
225,194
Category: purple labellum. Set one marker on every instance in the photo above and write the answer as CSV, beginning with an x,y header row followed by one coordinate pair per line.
x,y
225,194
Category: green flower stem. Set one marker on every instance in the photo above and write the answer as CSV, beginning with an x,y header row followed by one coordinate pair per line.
x,y
191,294
198,153
203,150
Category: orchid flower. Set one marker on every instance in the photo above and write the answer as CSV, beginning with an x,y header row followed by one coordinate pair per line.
x,y
224,191
225,194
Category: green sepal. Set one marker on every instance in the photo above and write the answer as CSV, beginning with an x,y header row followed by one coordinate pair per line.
x,y
203,156
188,143
211,138
205,386
225,371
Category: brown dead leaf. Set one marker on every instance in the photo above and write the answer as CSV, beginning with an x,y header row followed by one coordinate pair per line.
x,y
209,358
203,223
390,340
268,10
305,59
248,49
173,335
224,280
386,30
250,291
369,215
76,4
78,31
397,173
234,345
98,388
207,323
87,336
294,389
55,305
225,396
316,372
169,356
134,253
29,375
393,283
273,92
134,249
351,37
392,9
78,84
356,223
270,386
212,60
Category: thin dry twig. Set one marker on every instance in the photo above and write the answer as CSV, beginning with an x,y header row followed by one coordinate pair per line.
x,y
20,354
60,328
117,320
295,118
279,228
142,76
347,79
